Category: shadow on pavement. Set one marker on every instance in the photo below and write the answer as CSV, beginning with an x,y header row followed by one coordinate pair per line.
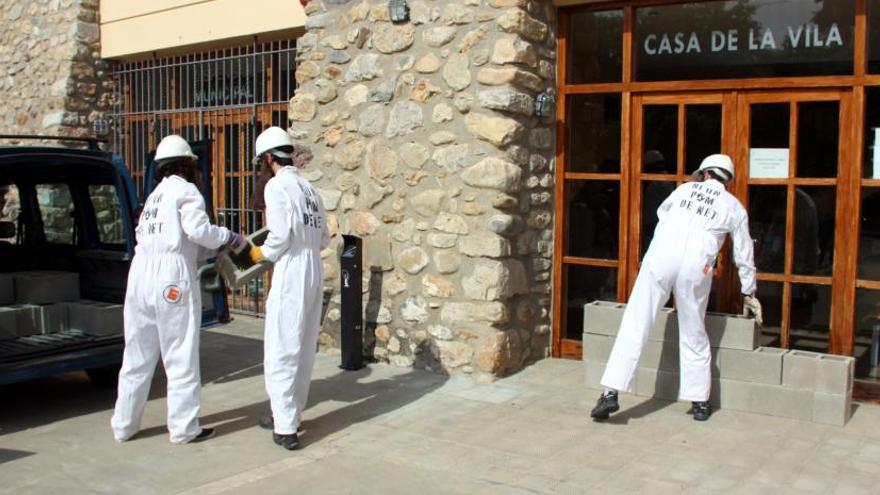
x,y
9,455
225,358
363,400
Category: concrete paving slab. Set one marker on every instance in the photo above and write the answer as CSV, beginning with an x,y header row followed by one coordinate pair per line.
x,y
394,430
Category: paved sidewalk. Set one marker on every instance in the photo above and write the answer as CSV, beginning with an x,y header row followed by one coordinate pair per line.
x,y
390,430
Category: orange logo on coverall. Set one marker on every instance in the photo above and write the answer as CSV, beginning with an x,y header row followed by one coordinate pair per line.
x,y
172,293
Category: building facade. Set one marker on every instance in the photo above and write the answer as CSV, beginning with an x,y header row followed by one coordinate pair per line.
x,y
502,159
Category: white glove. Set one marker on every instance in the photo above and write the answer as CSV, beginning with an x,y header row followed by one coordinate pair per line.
x,y
753,306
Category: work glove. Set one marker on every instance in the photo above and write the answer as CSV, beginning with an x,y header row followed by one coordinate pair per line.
x,y
257,254
237,242
753,306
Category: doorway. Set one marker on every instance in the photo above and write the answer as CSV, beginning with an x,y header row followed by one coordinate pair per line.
x,y
789,150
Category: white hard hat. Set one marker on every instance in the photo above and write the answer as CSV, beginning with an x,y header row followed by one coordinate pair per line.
x,y
719,163
173,146
270,139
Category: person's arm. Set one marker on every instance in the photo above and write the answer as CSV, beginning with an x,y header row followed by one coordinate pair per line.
x,y
195,222
279,217
744,255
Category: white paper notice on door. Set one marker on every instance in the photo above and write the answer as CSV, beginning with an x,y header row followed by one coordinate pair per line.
x,y
768,163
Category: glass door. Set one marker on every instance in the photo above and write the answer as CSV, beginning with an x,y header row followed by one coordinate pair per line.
x,y
790,177
671,136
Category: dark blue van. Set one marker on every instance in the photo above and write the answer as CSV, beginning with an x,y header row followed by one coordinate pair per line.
x,y
74,210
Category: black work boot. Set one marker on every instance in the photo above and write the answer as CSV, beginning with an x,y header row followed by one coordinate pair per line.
x,y
205,434
606,405
289,442
701,410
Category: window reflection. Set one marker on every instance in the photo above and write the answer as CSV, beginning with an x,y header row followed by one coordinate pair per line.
x,y
585,284
702,134
593,217
814,230
594,133
818,138
867,337
869,240
770,295
596,46
767,216
810,316
660,139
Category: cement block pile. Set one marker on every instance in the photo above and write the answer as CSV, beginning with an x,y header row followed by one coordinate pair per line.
x,y
767,380
44,302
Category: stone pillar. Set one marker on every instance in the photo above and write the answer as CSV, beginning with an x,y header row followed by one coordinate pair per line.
x,y
51,78
427,146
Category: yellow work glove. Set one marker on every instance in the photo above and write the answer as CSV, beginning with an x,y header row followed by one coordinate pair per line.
x,y
256,254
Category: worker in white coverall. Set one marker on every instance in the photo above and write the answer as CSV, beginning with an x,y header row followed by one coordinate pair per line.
x,y
163,307
693,223
298,232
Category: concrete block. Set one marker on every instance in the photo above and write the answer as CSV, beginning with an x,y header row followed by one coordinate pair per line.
x,y
657,383
781,401
593,371
731,331
603,317
762,365
95,317
834,374
832,409
596,347
46,287
799,369
53,317
238,269
660,355
730,394
19,320
7,289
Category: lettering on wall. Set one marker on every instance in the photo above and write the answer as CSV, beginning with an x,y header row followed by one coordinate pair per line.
x,y
733,40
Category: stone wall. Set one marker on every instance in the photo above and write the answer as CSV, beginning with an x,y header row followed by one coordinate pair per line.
x,y
427,146
51,80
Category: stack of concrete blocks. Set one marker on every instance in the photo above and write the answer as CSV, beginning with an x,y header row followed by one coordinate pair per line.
x,y
37,305
794,384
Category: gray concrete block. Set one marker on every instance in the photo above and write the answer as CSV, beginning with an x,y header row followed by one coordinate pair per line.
x,y
660,355
53,318
46,287
731,331
95,317
832,409
799,369
596,347
781,401
762,365
238,269
7,289
593,371
834,374
731,394
19,320
657,383
603,317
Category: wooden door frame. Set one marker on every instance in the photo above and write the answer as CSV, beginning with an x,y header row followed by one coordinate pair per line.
x,y
842,279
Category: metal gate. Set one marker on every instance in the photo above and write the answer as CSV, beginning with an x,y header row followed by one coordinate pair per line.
x,y
225,96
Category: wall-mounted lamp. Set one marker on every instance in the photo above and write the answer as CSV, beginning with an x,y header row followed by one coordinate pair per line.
x,y
545,104
100,127
398,10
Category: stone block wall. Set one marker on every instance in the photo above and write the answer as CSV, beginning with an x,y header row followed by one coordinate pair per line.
x,y
427,146
51,78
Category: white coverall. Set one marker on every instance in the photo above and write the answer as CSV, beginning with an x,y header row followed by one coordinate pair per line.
x,y
298,232
693,222
163,309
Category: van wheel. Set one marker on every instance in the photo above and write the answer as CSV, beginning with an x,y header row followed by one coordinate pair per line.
x,y
104,377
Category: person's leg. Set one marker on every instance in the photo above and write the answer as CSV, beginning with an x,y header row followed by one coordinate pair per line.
x,y
179,323
282,345
649,295
138,365
309,347
691,297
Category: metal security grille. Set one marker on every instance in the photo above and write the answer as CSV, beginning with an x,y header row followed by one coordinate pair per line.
x,y
223,97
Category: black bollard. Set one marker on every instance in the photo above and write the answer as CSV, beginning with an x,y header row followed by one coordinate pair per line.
x,y
351,288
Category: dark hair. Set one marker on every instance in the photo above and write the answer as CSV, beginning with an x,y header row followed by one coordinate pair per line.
x,y
699,176
300,156
184,168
